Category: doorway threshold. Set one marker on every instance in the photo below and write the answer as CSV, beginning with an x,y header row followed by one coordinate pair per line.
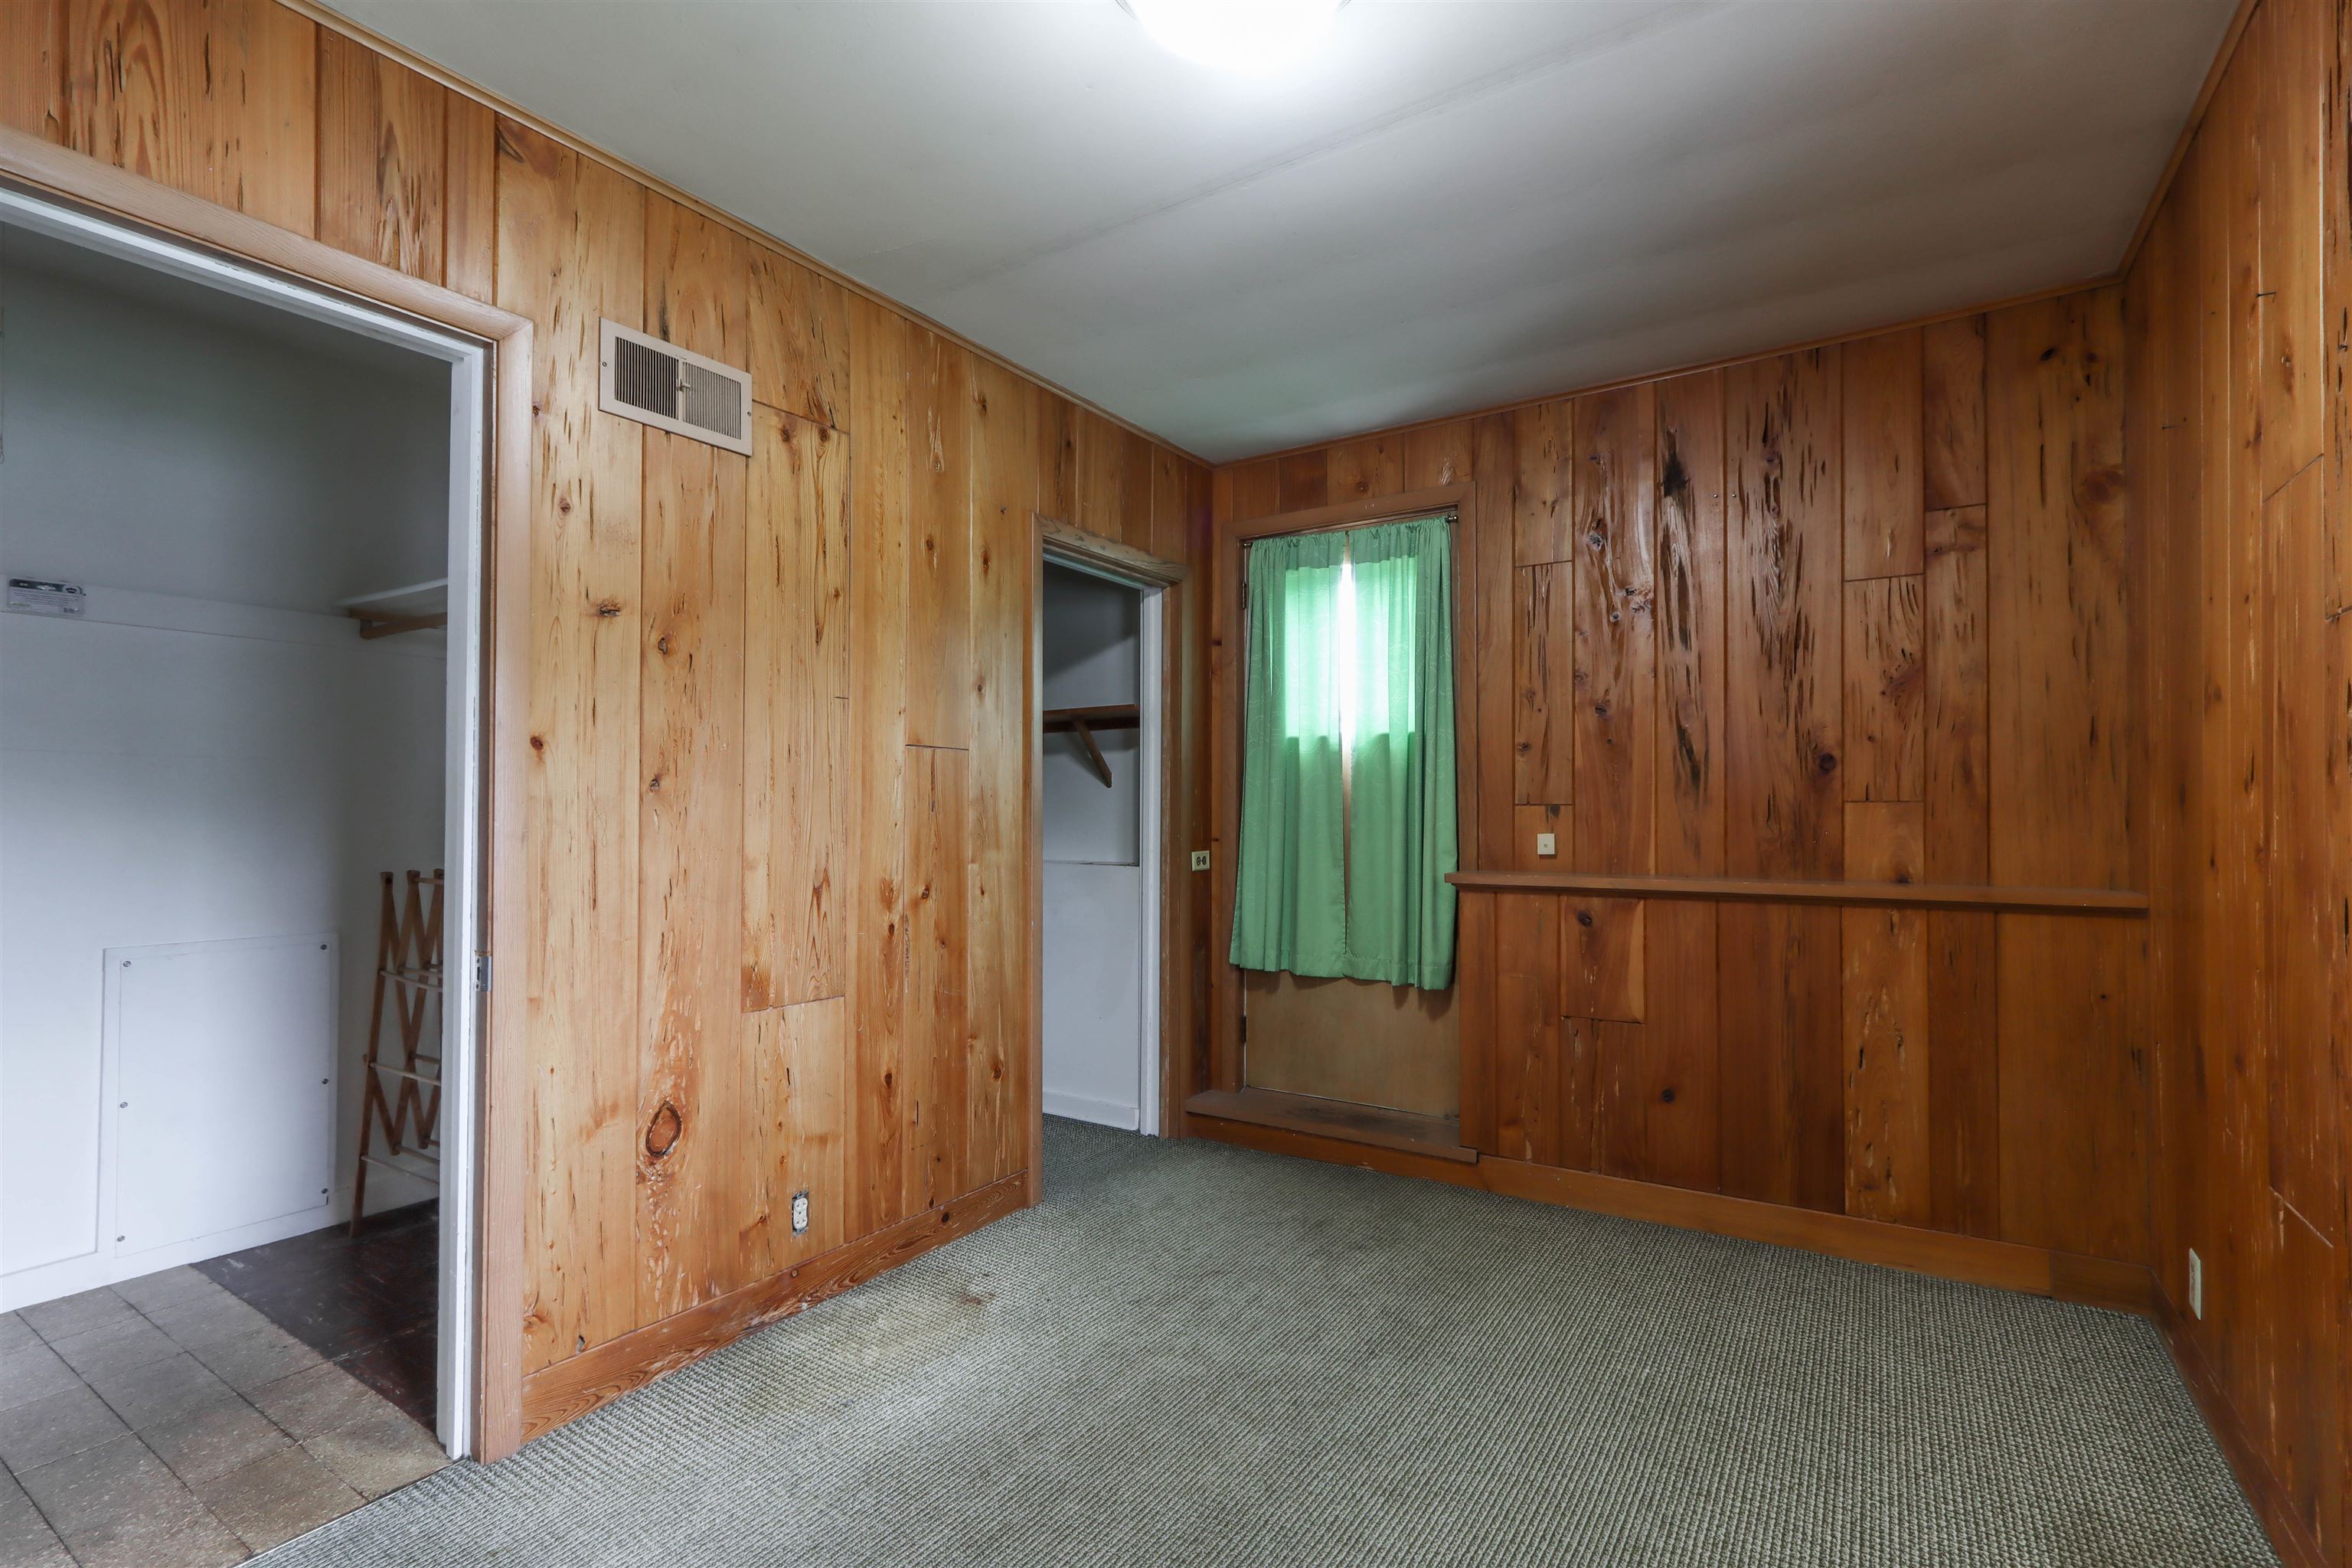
x,y
1437,1136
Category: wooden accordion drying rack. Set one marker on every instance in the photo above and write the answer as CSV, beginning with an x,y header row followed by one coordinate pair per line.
x,y
408,974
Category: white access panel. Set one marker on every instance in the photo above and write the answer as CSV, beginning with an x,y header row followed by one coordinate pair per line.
x,y
224,1085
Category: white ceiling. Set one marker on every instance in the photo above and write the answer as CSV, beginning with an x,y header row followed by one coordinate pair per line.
x,y
1457,204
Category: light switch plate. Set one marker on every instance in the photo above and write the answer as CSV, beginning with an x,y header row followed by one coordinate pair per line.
x,y
1547,843
1199,859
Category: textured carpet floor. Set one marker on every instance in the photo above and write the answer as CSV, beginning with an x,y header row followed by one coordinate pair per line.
x,y
1201,1355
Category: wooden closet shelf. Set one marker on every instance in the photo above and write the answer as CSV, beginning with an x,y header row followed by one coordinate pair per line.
x,y
1109,716
1874,895
1438,1136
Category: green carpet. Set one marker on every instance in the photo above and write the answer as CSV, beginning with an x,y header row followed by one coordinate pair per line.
x,y
1201,1355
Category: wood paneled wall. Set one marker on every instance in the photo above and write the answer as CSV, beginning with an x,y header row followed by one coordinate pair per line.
x,y
779,837
1858,612
2240,443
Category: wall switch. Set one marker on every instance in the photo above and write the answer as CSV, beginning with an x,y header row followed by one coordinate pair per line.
x,y
1199,859
799,1213
1547,843
2195,1284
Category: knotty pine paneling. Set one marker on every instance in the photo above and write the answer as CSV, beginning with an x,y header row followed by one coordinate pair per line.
x,y
777,839
2237,417
1778,584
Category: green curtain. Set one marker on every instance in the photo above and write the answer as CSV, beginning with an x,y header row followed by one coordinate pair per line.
x,y
1347,790
1401,839
1289,910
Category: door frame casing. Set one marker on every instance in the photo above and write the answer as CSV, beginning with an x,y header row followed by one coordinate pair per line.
x,y
46,171
1159,690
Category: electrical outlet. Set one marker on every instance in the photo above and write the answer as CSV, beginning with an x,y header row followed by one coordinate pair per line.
x,y
1199,859
1547,843
2195,1284
799,1213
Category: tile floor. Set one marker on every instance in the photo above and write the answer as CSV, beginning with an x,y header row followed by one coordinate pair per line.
x,y
370,1303
167,1423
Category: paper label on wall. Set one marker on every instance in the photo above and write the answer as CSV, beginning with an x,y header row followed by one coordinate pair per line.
x,y
30,596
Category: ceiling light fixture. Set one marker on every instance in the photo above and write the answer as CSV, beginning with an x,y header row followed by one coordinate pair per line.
x,y
1253,35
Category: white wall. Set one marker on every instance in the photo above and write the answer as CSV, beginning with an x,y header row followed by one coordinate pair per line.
x,y
213,754
1093,882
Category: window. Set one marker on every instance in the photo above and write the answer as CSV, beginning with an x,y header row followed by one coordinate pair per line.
x,y
1348,788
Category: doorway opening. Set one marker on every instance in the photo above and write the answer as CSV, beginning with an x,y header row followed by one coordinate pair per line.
x,y
241,725
1100,644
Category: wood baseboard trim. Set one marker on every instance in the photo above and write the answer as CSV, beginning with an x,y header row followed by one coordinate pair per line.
x,y
1968,1259
1438,1137
2270,1500
574,1387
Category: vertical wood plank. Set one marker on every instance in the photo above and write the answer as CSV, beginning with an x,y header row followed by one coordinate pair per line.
x,y
1257,490
1658,1091
1005,489
36,39
383,153
881,352
1783,725
1963,1054
690,811
2057,538
1494,447
1366,469
795,1065
938,937
1886,690
1602,971
1528,1072
1543,513
1476,1020
939,552
1437,455
1302,481
571,244
1054,431
469,243
1889,1172
1782,1133
218,100
1884,487
1543,648
2072,1116
2293,105
795,710
1615,725
1952,411
800,340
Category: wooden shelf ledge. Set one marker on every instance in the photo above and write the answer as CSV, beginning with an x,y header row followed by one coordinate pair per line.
x,y
1866,895
1437,1136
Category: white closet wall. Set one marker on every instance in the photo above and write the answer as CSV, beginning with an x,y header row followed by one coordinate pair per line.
x,y
1094,881
210,757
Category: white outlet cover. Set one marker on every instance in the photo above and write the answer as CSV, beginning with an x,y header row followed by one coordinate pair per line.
x,y
1547,843
799,1213
2195,1284
1199,859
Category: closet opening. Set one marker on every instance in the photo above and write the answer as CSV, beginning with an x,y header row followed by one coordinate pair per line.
x,y
242,878
1101,651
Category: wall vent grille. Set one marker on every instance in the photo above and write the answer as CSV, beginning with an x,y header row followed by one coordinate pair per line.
x,y
661,385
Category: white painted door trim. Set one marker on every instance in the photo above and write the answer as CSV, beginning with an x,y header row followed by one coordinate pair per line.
x,y
1151,838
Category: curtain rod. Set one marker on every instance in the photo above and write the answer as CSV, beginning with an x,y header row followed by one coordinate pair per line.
x,y
1451,514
